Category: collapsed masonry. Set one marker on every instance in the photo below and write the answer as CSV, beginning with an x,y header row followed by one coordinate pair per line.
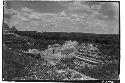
x,y
87,52
61,51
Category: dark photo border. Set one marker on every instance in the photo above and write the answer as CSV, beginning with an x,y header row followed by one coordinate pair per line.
x,y
82,81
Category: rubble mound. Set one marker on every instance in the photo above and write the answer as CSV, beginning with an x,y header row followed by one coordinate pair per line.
x,y
61,51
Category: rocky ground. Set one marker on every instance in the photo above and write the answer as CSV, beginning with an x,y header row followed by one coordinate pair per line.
x,y
19,65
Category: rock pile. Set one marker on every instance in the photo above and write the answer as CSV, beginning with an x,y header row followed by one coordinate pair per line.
x,y
61,51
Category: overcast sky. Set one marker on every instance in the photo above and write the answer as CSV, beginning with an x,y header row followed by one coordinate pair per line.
x,y
63,16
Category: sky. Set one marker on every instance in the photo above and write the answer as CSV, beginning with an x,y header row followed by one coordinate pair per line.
x,y
63,16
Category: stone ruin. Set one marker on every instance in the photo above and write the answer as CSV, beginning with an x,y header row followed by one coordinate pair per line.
x,y
85,51
65,50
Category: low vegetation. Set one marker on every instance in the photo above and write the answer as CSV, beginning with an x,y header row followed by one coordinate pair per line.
x,y
18,65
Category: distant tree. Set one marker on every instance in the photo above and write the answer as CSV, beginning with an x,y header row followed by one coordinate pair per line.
x,y
5,26
13,28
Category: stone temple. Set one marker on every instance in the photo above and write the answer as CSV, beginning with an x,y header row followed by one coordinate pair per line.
x,y
61,51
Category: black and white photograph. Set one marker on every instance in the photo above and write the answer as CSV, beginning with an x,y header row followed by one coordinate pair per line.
x,y
61,41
